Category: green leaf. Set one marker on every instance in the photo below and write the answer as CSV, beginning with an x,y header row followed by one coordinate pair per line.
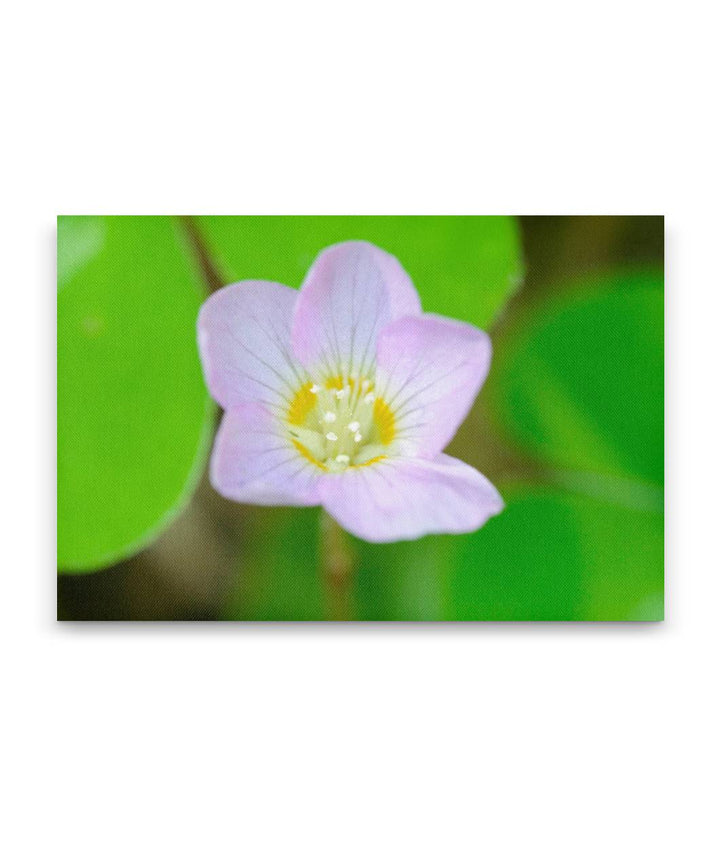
x,y
405,581
581,386
279,574
79,240
551,555
463,267
134,419
556,556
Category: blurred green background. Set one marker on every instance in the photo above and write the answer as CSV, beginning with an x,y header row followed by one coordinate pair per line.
x,y
569,425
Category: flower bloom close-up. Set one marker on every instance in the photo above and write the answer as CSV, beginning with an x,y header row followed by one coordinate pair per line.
x,y
344,394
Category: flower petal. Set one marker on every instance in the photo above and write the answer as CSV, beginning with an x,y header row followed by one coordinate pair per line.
x,y
244,341
405,498
350,293
429,370
253,462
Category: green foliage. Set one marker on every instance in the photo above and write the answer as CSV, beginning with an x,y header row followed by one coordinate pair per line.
x,y
551,555
405,581
134,419
279,576
581,386
79,240
464,267
556,555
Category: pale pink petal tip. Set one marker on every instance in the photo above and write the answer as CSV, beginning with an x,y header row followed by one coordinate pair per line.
x,y
405,499
244,342
431,369
350,293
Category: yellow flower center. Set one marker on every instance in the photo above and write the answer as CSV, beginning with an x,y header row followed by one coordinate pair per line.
x,y
340,423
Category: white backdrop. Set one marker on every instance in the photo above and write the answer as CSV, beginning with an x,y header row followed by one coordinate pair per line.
x,y
494,739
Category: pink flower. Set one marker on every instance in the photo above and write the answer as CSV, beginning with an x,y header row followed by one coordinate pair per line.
x,y
344,395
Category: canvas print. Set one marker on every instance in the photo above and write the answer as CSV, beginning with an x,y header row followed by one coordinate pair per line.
x,y
356,418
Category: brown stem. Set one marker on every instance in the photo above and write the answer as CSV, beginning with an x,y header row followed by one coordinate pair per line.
x,y
210,273
338,569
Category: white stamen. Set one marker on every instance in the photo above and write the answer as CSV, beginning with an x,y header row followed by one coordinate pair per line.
x,y
337,425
